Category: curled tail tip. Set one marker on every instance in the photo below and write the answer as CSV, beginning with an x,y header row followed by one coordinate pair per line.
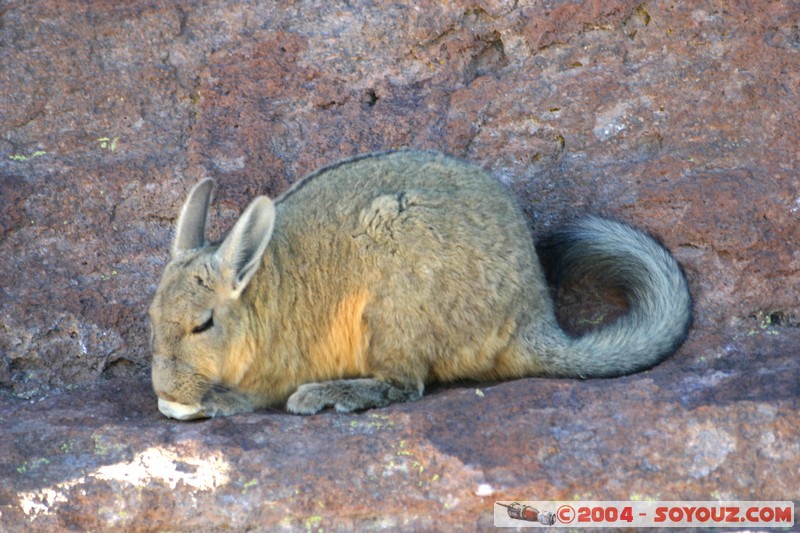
x,y
659,302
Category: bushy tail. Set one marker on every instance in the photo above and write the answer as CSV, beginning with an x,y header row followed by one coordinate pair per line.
x,y
660,306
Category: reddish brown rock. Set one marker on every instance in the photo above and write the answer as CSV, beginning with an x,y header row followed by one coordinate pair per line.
x,y
682,119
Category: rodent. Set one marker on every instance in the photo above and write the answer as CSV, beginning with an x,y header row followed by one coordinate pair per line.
x,y
377,275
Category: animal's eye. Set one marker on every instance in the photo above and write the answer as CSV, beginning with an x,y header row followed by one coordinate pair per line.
x,y
208,324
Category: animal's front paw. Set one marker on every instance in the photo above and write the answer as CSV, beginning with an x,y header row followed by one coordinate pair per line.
x,y
222,401
347,395
309,399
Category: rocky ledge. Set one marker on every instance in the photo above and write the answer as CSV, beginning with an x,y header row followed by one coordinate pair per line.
x,y
102,458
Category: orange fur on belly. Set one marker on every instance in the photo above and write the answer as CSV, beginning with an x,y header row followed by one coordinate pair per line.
x,y
341,351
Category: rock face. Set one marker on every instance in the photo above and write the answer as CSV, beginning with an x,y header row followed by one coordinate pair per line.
x,y
681,119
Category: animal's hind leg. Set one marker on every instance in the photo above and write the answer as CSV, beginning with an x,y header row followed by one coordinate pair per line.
x,y
347,395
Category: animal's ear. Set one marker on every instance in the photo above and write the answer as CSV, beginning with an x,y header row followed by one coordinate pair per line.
x,y
239,255
192,220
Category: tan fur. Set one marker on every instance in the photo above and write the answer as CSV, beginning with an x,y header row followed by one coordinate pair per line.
x,y
375,276
342,351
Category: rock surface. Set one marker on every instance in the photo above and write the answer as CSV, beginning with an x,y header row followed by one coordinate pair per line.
x,y
681,119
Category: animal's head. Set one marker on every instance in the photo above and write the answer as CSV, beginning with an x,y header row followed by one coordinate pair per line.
x,y
197,313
